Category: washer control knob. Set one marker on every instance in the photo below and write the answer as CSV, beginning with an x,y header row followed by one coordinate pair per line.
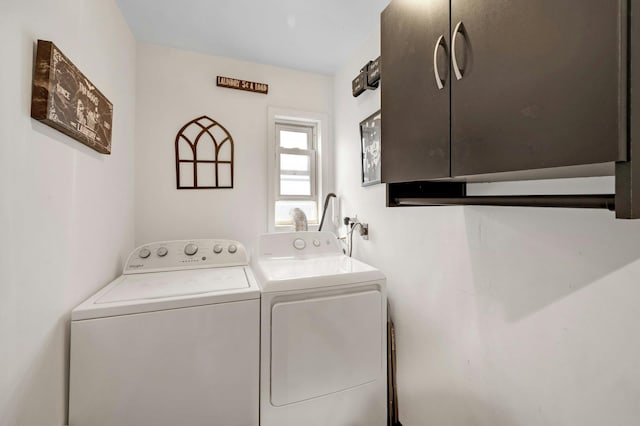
x,y
299,243
233,248
316,243
217,249
162,251
190,249
144,253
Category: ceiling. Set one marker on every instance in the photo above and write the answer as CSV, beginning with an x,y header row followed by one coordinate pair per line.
x,y
310,35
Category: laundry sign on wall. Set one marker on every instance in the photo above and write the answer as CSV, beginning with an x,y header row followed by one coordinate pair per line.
x,y
249,86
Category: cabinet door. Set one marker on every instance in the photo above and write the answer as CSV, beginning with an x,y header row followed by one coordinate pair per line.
x,y
415,110
542,85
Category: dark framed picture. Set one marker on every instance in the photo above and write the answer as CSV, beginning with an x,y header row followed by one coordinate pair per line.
x,y
370,149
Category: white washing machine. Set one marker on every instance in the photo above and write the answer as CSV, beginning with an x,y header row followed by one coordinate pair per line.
x,y
173,341
323,334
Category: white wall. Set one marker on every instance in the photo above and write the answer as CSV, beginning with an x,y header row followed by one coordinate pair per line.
x,y
174,87
504,315
66,211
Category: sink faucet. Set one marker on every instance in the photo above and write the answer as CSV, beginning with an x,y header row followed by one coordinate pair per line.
x,y
299,219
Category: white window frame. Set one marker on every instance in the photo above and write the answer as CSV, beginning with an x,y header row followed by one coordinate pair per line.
x,y
311,131
321,172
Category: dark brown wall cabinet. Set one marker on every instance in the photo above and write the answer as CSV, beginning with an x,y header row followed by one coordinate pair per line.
x,y
475,89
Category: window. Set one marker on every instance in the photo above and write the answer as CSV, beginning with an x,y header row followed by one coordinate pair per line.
x,y
298,174
296,182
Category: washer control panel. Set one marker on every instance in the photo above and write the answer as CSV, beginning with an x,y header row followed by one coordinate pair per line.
x,y
186,254
298,244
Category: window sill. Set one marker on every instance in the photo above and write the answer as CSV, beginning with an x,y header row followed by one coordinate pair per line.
x,y
291,228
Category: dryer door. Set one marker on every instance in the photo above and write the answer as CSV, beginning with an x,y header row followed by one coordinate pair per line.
x,y
325,345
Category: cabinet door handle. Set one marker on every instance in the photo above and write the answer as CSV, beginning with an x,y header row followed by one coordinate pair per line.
x,y
454,61
439,81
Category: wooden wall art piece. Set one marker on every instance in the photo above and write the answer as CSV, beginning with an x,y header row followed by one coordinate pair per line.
x,y
204,155
63,98
249,86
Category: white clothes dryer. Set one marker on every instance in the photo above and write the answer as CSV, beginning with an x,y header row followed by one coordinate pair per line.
x,y
323,334
173,341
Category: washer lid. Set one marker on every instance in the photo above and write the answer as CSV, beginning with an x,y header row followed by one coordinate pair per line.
x,y
175,283
156,291
304,273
